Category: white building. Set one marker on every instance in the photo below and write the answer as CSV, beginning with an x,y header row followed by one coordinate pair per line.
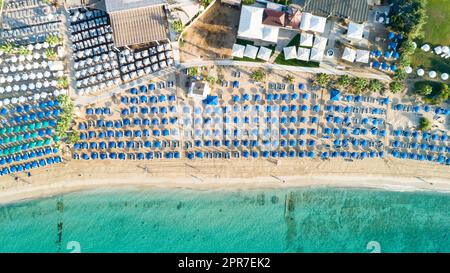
x,y
199,90
251,27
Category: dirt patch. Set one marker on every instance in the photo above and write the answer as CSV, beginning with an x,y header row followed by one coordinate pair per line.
x,y
212,36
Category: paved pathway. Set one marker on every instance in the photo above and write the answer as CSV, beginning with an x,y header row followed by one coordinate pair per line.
x,y
324,68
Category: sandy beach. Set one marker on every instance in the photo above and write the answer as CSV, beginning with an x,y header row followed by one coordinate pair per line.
x,y
387,174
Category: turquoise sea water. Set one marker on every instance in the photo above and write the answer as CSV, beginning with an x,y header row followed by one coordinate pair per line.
x,y
311,220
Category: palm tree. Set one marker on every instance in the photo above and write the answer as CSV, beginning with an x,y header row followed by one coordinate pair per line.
x,y
50,54
375,86
290,79
322,80
344,81
258,75
8,48
359,84
53,40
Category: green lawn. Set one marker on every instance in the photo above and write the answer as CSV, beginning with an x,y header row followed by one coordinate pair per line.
x,y
437,28
436,33
294,62
429,61
436,88
246,59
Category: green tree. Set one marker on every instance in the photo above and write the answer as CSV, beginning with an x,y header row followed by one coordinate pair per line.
x,y
177,26
443,94
258,75
426,90
66,117
343,81
290,79
248,2
8,48
359,84
376,86
322,80
400,75
53,40
192,71
50,54
23,51
63,82
211,80
396,86
424,124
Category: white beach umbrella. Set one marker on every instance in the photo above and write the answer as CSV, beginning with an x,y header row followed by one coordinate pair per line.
x,y
17,78
16,88
44,95
162,56
106,66
6,101
80,54
2,79
31,86
12,68
35,65
89,61
117,81
47,74
24,87
39,75
45,45
102,85
140,72
36,56
59,73
46,84
38,85
25,77
2,90
445,49
29,58
126,77
138,55
36,96
108,75
432,74
28,66
32,76
109,83
38,46
160,48
21,58
153,59
438,50
155,67
22,99
10,78
98,68
425,47
5,70
130,59
116,73
30,47
147,70
54,83
14,59
20,67
420,72
444,76
139,64
100,77
8,89
14,100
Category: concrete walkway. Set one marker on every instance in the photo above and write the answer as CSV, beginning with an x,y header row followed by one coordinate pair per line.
x,y
324,68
